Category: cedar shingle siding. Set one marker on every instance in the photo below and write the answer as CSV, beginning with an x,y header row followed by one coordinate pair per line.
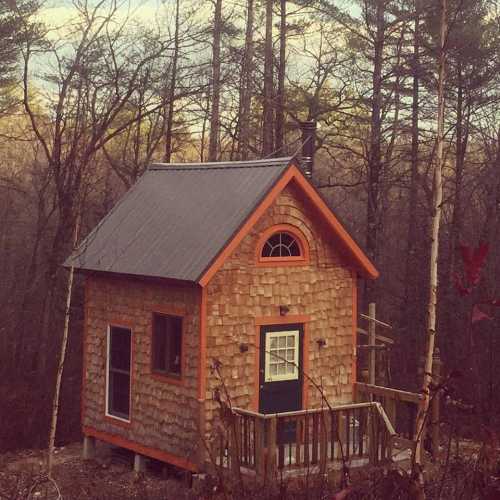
x,y
163,415
322,289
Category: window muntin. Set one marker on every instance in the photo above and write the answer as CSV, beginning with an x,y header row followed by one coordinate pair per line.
x,y
282,356
118,372
281,244
167,345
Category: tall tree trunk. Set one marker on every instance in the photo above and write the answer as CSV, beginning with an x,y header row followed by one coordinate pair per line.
x,y
213,148
171,90
409,321
247,85
375,155
268,110
50,316
280,98
450,324
437,200
62,358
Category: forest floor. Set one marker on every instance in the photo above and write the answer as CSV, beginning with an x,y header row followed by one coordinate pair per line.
x,y
109,476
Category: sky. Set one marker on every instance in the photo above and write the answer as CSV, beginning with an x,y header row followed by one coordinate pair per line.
x,y
57,12
60,11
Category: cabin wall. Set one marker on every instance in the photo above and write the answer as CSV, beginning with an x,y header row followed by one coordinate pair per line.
x,y
241,293
164,415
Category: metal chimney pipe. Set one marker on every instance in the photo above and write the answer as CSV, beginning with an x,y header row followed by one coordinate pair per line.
x,y
308,146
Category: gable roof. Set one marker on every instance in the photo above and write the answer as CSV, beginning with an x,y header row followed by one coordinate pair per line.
x,y
176,218
181,221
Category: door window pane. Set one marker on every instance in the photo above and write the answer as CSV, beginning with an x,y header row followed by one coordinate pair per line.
x,y
282,356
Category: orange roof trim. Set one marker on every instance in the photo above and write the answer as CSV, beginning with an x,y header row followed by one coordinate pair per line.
x,y
361,261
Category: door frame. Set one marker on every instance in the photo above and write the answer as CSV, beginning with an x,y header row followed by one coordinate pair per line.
x,y
282,320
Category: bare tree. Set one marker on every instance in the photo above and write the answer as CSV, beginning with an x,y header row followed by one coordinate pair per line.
x,y
436,219
280,95
213,147
90,107
246,85
268,103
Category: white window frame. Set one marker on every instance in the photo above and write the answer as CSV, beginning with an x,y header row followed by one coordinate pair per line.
x,y
295,362
108,345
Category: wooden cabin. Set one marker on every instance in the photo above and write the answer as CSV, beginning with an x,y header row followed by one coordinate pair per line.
x,y
234,275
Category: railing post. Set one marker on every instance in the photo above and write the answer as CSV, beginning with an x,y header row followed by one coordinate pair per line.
x,y
271,448
323,441
234,445
260,464
372,445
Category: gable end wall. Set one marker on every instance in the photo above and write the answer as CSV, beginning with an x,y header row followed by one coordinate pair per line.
x,y
242,291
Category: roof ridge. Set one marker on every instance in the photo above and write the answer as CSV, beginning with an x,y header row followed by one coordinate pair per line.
x,y
222,164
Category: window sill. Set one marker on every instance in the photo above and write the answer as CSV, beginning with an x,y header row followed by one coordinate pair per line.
x,y
282,261
120,421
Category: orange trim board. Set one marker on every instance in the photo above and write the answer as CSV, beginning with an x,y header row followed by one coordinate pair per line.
x,y
163,456
202,355
292,173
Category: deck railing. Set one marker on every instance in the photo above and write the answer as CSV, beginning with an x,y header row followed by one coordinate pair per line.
x,y
355,434
401,406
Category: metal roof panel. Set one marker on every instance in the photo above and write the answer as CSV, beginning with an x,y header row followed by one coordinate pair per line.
x,y
175,220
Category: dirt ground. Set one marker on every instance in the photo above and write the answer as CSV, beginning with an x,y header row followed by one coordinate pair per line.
x,y
109,476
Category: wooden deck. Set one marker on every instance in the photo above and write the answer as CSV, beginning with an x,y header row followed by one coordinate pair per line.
x,y
319,439
379,429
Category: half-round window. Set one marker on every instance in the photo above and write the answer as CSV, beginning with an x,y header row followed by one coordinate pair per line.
x,y
281,244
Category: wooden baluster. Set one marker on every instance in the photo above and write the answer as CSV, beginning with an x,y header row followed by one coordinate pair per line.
x,y
333,434
323,441
341,426
348,433
314,458
306,439
298,439
281,431
361,430
245,454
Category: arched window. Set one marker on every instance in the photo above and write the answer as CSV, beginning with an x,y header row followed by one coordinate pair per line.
x,y
282,243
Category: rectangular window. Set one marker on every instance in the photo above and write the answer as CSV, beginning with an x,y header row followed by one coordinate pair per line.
x,y
167,344
118,363
282,356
